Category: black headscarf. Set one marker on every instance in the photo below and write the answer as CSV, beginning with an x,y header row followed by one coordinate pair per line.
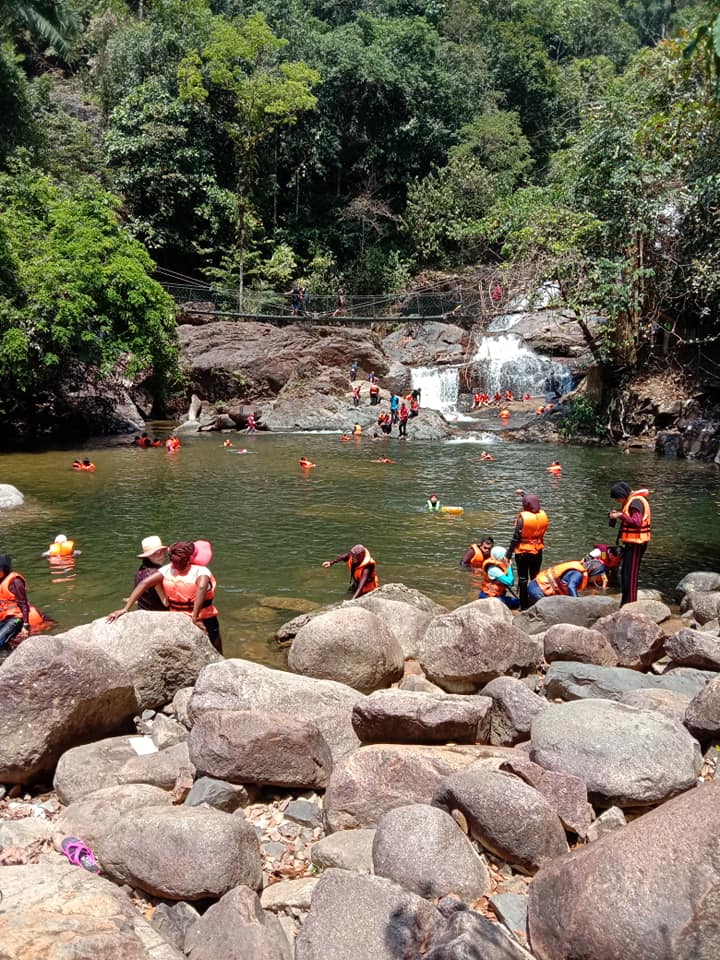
x,y
620,490
5,563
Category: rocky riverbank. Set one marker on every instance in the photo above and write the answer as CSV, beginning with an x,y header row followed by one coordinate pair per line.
x,y
420,784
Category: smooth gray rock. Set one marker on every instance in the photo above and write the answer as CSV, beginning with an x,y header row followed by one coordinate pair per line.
x,y
653,608
582,611
167,732
702,716
96,815
567,641
579,681
668,702
463,650
174,921
418,684
513,708
346,850
705,606
398,716
424,850
356,917
406,622
697,582
237,928
288,896
350,645
592,905
609,820
636,639
57,693
180,703
253,746
511,909
625,756
509,818
10,497
379,777
242,685
566,794
160,769
219,794
304,812
90,767
162,652
694,648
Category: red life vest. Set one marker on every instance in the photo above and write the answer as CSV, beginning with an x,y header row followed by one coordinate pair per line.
x,y
550,583
8,601
640,534
493,588
356,571
532,535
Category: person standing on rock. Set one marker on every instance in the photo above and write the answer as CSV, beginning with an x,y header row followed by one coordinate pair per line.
x,y
189,588
374,393
362,568
356,396
394,407
403,415
527,544
635,533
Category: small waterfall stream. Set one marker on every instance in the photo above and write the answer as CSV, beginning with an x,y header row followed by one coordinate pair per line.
x,y
501,362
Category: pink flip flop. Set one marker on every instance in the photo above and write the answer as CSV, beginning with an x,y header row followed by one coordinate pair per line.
x,y
79,854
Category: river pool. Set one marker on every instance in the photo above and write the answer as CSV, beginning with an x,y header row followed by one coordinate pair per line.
x,y
272,524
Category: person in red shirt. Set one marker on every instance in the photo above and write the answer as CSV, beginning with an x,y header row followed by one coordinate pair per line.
x,y
402,420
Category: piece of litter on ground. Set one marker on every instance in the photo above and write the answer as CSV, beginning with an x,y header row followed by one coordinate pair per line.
x,y
142,745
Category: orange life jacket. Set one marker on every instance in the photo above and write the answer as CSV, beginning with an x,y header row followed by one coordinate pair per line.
x,y
356,572
181,596
504,414
640,534
61,549
478,558
549,580
8,601
83,466
374,388
493,588
532,535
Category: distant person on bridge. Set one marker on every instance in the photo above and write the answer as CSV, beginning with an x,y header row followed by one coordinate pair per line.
x,y
341,308
295,301
362,567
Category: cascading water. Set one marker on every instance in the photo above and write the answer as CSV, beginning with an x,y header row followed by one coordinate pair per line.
x,y
505,363
438,387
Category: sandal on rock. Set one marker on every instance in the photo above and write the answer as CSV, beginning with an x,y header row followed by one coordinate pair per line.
x,y
79,854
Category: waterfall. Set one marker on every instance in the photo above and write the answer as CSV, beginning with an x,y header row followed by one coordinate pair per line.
x,y
505,363
438,387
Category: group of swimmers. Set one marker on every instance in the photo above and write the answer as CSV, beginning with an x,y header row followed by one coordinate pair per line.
x,y
145,442
485,400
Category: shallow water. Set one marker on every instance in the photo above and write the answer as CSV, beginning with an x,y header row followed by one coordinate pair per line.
x,y
272,524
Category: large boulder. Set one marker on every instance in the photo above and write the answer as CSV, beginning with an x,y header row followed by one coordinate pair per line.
x,y
468,935
53,911
173,852
507,816
702,716
700,581
250,746
567,641
625,756
405,621
92,766
357,917
704,606
57,693
648,891
514,706
401,716
424,850
651,607
668,702
242,685
236,928
350,645
578,681
162,652
374,779
463,650
636,639
566,794
581,611
402,594
10,497
694,648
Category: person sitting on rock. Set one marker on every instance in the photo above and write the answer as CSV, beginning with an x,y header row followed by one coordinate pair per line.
x,y
565,579
362,567
153,557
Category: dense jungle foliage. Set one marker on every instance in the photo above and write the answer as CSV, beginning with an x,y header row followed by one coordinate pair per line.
x,y
255,142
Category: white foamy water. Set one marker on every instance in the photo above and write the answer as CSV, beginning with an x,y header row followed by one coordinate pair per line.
x,y
482,438
507,364
438,387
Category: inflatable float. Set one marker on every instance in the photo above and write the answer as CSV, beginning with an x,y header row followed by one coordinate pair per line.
x,y
454,510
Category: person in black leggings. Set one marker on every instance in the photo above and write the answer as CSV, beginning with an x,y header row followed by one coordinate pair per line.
x,y
527,544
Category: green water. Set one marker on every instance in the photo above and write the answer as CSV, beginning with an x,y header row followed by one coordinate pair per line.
x,y
272,525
